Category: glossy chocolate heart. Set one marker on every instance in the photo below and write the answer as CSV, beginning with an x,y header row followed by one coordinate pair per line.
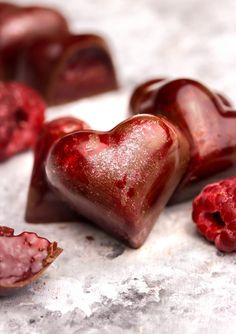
x,y
121,179
68,67
43,206
208,123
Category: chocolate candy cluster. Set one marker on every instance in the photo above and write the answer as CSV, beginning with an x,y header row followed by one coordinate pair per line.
x,y
37,49
122,179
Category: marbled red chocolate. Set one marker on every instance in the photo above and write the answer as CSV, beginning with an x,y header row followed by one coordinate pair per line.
x,y
23,258
43,206
208,123
68,67
121,179
19,26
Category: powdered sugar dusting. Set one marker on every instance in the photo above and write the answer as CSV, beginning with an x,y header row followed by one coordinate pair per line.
x,y
121,158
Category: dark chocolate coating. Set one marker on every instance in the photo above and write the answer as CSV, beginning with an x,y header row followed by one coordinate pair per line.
x,y
68,67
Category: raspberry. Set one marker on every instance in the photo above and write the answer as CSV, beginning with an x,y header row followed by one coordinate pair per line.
x,y
214,212
21,118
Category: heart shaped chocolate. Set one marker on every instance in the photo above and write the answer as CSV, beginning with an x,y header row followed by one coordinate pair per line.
x,y
121,179
43,206
208,123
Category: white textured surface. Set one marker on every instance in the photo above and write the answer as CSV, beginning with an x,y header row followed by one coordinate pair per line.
x,y
177,282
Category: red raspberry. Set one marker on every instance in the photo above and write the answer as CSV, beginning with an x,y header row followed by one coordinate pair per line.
x,y
21,118
214,212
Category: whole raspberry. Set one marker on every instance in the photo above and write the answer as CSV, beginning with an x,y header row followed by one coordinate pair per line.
x,y
214,212
21,118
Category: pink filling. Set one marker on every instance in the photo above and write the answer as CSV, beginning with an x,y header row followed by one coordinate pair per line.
x,y
21,257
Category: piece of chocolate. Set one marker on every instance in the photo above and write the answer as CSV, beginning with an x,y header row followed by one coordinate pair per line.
x,y
122,179
19,26
43,206
68,67
209,124
23,258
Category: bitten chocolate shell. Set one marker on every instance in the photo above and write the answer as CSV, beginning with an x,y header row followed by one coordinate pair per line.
x,y
19,26
68,67
23,259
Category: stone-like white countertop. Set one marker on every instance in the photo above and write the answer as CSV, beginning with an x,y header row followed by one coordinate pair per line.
x,y
177,282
